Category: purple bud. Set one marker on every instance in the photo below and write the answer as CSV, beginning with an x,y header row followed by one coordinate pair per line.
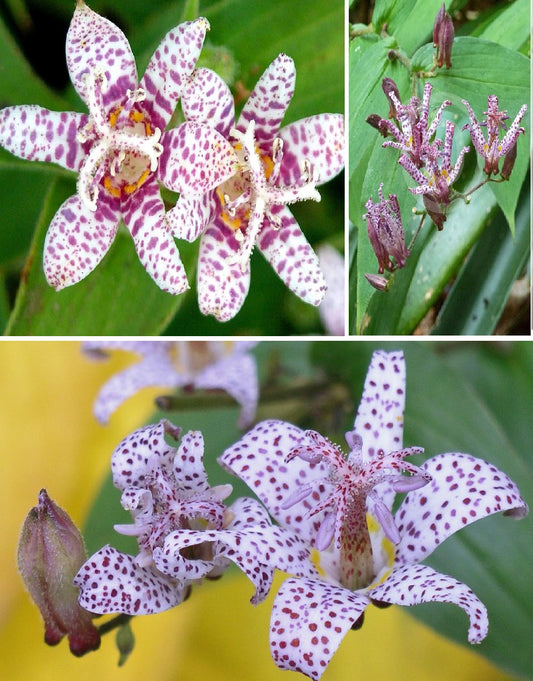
x,y
375,121
50,553
508,163
378,282
443,34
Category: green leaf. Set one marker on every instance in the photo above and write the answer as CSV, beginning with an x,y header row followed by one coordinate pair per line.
x,y
478,296
118,297
507,25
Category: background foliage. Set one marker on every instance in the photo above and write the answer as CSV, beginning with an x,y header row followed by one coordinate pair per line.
x,y
119,298
466,271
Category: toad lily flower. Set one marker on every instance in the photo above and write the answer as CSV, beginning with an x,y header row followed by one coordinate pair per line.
x,y
208,365
276,168
183,529
343,508
120,150
493,148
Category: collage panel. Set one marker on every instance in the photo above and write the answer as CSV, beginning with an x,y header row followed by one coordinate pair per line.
x,y
439,182
204,512
172,168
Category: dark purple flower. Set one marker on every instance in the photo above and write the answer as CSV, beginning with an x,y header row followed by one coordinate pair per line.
x,y
385,231
493,148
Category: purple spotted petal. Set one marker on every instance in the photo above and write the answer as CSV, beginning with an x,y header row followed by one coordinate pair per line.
x,y
414,584
95,44
246,512
141,453
112,582
144,215
190,216
188,465
155,369
318,139
258,459
269,100
463,489
196,159
379,420
77,240
207,99
237,375
308,622
37,134
222,284
169,68
292,258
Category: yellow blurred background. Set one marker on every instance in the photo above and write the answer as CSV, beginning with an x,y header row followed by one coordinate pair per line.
x,y
50,439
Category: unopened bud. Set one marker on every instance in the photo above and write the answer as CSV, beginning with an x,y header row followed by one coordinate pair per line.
x,y
50,553
508,163
443,34
378,282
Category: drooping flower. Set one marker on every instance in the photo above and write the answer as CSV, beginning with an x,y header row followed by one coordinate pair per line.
x,y
416,132
437,175
331,310
184,530
50,552
120,150
343,508
493,149
385,231
204,365
277,167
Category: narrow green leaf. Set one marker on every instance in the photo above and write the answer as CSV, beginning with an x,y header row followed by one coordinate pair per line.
x,y
478,296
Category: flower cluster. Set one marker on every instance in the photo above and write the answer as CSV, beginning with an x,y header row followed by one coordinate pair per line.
x,y
235,178
326,519
428,159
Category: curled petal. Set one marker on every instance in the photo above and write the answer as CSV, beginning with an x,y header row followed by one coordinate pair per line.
x,y
463,489
269,100
308,622
37,134
196,159
111,582
95,44
144,215
414,584
292,258
170,67
77,240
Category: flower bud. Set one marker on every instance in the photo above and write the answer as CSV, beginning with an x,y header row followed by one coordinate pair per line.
x,y
389,86
508,163
50,553
443,34
378,282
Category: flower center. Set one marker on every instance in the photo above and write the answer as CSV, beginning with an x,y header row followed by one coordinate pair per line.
x,y
247,198
124,149
190,357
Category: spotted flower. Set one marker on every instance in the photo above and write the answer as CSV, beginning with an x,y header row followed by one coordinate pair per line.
x,y
120,150
416,131
331,310
385,232
342,507
183,529
276,168
493,149
181,364
437,176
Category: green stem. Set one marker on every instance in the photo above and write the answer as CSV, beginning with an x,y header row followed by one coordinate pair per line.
x,y
115,623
